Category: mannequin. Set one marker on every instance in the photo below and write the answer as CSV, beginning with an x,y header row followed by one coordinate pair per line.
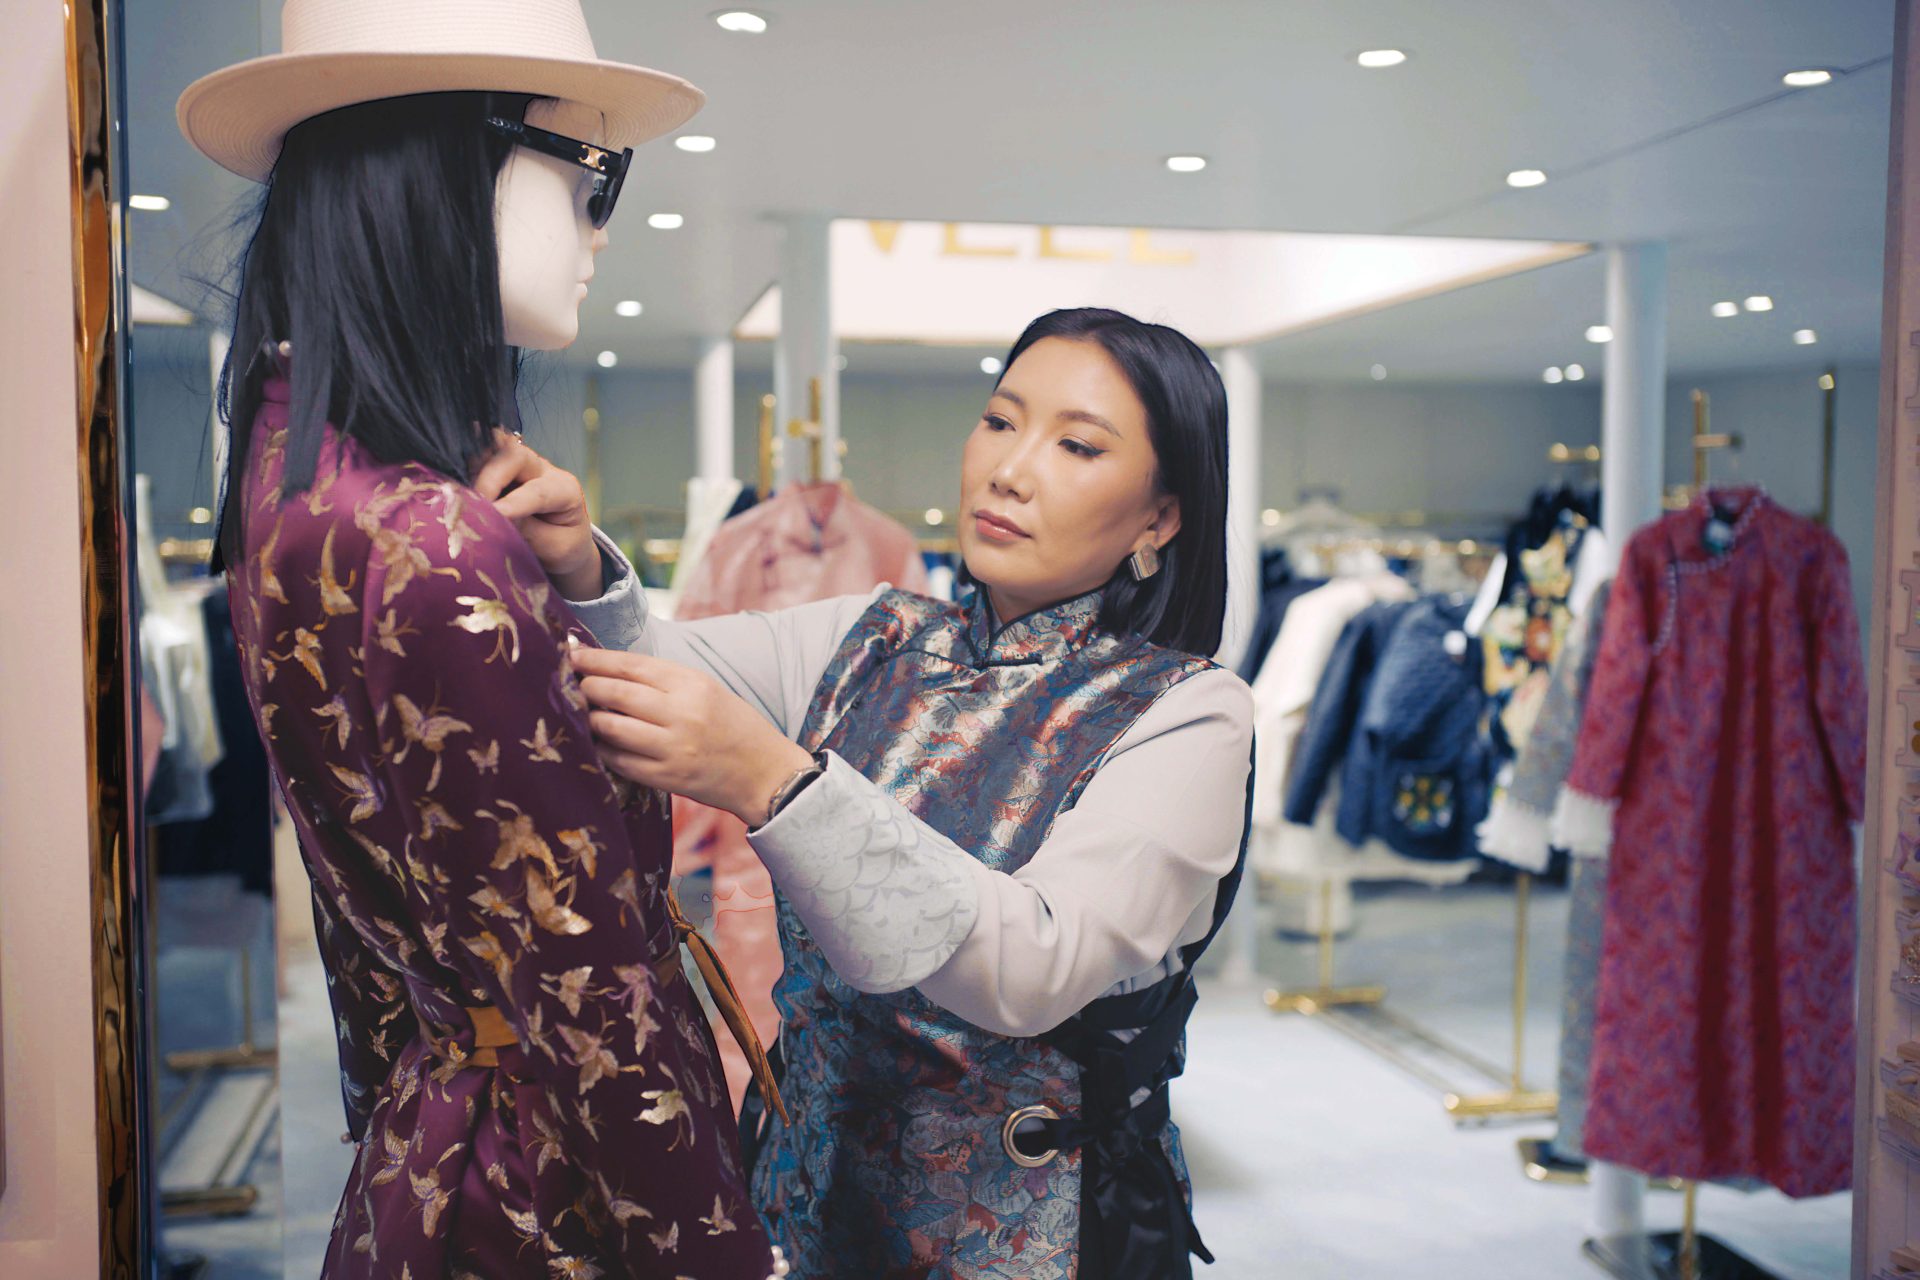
x,y
528,1078
546,248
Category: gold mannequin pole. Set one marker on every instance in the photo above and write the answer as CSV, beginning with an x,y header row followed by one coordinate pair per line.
x,y
1325,995
1516,1099
766,446
1688,1263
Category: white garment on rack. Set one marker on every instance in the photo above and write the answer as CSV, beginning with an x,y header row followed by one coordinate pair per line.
x,y
173,643
1282,695
708,502
1302,530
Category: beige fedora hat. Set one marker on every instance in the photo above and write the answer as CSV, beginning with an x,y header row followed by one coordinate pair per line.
x,y
336,53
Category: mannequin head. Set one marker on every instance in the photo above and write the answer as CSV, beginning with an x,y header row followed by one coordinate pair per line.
x,y
547,242
386,232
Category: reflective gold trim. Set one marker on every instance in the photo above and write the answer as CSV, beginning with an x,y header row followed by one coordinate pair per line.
x,y
1014,1153
99,312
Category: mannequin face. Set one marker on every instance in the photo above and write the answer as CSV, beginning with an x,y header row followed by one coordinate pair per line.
x,y
547,242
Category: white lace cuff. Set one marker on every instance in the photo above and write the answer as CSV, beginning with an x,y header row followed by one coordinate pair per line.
x,y
884,896
1517,834
1583,824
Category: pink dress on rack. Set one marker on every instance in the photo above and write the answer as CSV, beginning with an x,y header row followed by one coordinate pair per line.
x,y
1727,717
807,542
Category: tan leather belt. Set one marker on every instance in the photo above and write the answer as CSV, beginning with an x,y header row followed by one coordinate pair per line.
x,y
492,1032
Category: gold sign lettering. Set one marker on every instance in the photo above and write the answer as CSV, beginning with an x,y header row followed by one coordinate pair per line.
x,y
1049,248
1141,251
951,246
884,234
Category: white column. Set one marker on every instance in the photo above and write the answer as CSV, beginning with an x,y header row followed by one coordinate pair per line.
x,y
806,348
1633,398
713,409
1242,379
1632,445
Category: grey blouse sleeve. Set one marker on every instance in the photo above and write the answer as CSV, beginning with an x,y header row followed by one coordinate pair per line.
x,y
1125,878
773,661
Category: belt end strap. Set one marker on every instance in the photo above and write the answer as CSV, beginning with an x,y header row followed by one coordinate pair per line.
x,y
727,1000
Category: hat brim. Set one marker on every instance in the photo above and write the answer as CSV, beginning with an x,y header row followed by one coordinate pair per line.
x,y
239,115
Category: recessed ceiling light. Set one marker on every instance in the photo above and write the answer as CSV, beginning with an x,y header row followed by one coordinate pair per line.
x,y
630,308
1374,59
1378,373
1186,164
1759,302
666,221
744,21
1270,518
840,364
200,515
150,204
607,359
696,142
1599,333
1826,382
1807,78
1805,337
1553,375
991,364
1576,372
1725,310
935,516
1526,178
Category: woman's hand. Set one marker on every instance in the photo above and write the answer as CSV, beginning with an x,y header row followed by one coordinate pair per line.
x,y
549,508
680,730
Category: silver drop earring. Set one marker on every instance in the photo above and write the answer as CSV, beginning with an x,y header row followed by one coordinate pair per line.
x,y
1144,563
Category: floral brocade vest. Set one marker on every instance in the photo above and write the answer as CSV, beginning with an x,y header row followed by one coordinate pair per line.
x,y
894,1165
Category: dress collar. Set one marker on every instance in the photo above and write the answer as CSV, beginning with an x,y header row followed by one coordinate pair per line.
x,y
1044,635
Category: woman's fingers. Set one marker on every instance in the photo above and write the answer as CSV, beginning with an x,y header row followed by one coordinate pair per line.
x,y
647,773
613,664
552,493
636,737
512,463
627,698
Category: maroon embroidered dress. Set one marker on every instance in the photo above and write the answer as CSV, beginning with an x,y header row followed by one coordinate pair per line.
x,y
532,1086
1727,716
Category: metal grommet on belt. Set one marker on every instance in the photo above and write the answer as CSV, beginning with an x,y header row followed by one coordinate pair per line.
x,y
1007,1136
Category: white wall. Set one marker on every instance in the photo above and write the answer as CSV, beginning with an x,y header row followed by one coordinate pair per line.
x,y
49,1224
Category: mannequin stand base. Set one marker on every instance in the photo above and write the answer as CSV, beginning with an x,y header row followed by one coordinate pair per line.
x,y
1321,999
239,1057
1507,1104
1542,1163
1657,1257
209,1202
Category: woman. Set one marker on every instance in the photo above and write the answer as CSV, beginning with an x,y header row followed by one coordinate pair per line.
x,y
1002,831
529,1082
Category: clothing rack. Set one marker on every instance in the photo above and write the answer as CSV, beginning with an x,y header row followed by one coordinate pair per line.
x,y
1516,1101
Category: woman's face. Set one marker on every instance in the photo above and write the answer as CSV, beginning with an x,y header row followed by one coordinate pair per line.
x,y
1057,486
547,241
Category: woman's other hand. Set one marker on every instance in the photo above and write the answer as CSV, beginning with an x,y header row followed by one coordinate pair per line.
x,y
680,730
548,506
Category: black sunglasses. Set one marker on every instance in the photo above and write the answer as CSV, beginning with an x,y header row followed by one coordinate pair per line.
x,y
609,168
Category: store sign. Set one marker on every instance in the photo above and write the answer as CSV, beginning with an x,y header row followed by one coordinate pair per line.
x,y
978,284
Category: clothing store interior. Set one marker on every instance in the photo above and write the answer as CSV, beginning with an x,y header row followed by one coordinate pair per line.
x,y
1523,312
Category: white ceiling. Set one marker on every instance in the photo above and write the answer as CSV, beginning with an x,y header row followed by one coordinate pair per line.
x,y
1654,120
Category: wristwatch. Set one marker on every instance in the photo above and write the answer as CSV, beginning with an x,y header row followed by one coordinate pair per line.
x,y
794,786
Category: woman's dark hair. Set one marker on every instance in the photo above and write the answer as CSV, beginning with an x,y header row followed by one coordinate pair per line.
x,y
1184,605
375,257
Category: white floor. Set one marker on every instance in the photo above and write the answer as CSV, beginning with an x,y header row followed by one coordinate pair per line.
x,y
1313,1159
